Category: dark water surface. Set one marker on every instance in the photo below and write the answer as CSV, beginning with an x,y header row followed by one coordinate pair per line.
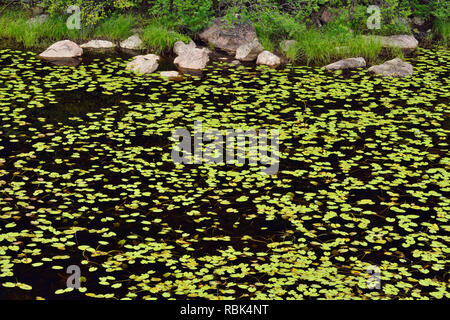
x,y
86,179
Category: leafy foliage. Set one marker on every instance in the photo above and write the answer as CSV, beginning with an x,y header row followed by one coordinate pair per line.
x,y
274,19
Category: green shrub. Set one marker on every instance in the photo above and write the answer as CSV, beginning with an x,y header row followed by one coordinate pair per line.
x,y
273,26
92,11
193,15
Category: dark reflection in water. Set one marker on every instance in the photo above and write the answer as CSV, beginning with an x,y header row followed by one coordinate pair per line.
x,y
87,179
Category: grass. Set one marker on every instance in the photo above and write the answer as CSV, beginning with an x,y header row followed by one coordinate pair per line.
x,y
116,27
15,25
159,38
442,29
157,35
273,26
315,46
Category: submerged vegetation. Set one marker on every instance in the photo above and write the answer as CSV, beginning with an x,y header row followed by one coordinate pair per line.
x,y
86,179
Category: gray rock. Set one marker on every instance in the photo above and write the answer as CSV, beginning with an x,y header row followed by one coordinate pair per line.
x,y
180,47
249,51
393,68
192,59
350,63
132,43
98,44
228,38
405,42
62,49
143,64
269,59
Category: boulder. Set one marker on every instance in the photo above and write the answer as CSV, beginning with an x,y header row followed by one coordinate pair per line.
x,y
98,44
350,63
228,38
171,75
132,43
393,68
249,51
62,49
180,47
194,59
405,42
144,64
269,59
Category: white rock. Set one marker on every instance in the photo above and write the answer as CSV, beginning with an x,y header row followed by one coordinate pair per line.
x,y
62,49
132,43
226,37
98,44
393,68
405,42
350,63
249,51
180,47
269,59
192,59
144,64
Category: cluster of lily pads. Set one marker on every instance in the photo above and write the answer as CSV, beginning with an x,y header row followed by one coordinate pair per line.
x,y
86,179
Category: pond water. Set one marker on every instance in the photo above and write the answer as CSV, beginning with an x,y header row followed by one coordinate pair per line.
x,y
87,179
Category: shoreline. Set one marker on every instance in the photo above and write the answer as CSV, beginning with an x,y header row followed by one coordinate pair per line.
x,y
159,39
